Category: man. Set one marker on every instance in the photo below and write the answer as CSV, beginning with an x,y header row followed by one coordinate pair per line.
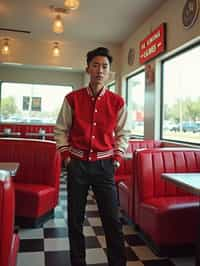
x,y
90,134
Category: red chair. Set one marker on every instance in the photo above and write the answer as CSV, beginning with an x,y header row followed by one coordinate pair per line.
x,y
9,243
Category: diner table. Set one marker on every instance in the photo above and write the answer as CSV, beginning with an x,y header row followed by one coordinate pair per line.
x,y
39,135
10,134
191,183
11,167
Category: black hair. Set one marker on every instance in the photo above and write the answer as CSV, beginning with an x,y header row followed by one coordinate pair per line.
x,y
100,51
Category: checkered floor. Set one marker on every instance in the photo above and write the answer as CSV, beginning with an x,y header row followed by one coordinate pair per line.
x,y
49,245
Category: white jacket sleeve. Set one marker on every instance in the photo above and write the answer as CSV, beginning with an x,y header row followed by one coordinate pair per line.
x,y
62,129
121,133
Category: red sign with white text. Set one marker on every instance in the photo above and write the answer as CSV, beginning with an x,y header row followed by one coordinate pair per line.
x,y
154,44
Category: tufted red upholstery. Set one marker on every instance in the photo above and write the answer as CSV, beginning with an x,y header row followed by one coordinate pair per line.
x,y
37,179
126,186
164,212
9,243
25,128
136,144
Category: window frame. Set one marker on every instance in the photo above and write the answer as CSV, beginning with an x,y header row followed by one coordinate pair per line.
x,y
180,51
138,71
111,84
26,83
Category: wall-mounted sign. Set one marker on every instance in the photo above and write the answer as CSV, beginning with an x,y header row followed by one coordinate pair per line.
x,y
36,104
190,13
154,44
131,56
26,103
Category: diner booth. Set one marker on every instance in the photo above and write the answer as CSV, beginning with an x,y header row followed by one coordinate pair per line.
x,y
37,179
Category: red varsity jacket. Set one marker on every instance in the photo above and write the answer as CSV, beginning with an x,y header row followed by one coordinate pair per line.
x,y
92,128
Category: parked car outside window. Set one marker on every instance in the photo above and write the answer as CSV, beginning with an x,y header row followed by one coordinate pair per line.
x,y
188,126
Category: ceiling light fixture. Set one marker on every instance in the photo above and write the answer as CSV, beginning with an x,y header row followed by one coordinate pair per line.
x,y
72,4
58,26
56,49
5,50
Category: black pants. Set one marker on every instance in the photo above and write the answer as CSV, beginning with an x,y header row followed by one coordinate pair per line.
x,y
99,175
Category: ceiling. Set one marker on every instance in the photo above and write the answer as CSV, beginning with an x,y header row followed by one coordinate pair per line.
x,y
111,21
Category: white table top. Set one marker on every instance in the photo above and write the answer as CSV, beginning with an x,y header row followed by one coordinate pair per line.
x,y
10,133
4,175
11,167
188,181
39,134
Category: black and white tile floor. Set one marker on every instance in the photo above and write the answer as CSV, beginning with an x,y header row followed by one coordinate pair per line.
x,y
49,245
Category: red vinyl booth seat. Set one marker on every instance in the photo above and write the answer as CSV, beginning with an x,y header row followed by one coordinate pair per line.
x,y
37,179
165,213
125,175
9,243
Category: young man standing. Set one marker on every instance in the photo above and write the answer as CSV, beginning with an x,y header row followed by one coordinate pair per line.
x,y
90,134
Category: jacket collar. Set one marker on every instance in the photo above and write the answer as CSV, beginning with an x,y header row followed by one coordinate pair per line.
x,y
89,90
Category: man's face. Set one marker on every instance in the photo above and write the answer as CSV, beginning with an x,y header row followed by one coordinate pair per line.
x,y
99,70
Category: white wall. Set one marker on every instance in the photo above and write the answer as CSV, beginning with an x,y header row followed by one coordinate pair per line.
x,y
39,54
73,54
41,76
171,13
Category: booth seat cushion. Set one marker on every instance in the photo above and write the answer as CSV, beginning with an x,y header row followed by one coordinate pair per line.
x,y
33,200
161,215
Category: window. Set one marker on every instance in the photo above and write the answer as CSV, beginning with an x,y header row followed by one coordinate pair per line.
x,y
30,103
181,97
111,87
135,102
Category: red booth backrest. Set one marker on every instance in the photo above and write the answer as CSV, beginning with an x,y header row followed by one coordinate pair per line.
x,y
126,165
143,143
6,220
152,163
36,159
